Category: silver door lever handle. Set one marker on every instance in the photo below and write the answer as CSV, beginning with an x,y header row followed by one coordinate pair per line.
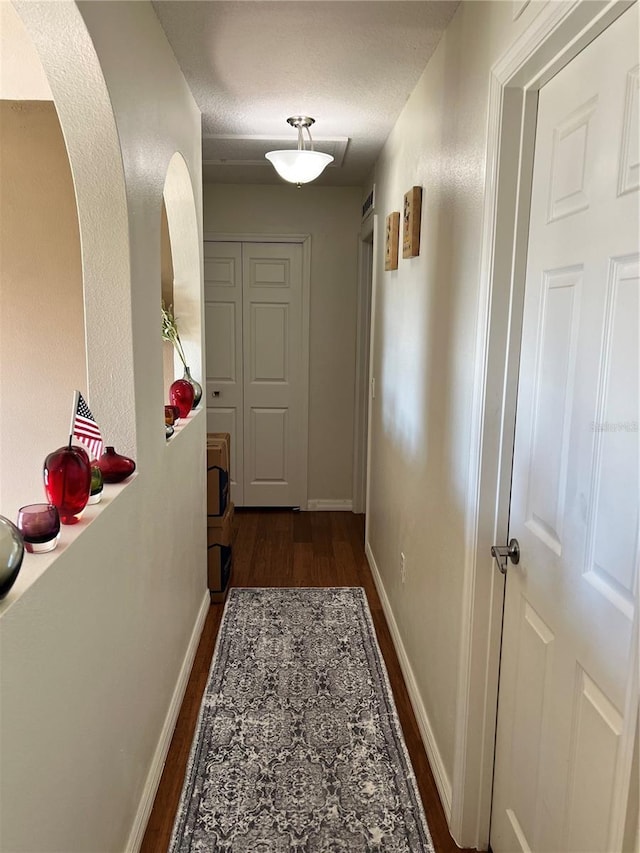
x,y
503,553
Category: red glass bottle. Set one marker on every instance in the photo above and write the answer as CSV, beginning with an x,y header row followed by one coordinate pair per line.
x,y
115,467
181,395
67,481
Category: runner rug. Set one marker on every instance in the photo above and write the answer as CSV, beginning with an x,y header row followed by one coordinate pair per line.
x,y
298,747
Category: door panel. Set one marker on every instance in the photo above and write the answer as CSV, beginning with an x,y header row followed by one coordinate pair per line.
x,y
269,447
597,726
611,550
223,328
220,320
568,633
273,393
270,350
535,652
553,401
569,190
630,162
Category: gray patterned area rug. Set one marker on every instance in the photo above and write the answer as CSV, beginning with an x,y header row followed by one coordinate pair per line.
x,y
298,747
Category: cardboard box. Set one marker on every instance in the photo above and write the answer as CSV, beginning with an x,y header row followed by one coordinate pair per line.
x,y
217,494
220,445
217,597
217,480
221,436
220,528
220,511
218,566
217,454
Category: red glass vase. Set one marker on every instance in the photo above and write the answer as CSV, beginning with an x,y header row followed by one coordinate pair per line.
x,y
115,468
181,395
197,387
67,481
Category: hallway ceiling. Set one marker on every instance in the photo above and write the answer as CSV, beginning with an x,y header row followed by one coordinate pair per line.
x,y
252,63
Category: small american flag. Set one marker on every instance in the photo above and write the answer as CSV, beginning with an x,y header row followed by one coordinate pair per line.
x,y
86,430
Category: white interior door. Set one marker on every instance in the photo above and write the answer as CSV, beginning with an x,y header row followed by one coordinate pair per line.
x,y
257,350
273,398
224,368
568,698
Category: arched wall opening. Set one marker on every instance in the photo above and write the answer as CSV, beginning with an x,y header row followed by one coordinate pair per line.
x,y
85,112
181,270
65,285
42,328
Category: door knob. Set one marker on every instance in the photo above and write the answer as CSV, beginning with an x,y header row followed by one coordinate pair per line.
x,y
503,553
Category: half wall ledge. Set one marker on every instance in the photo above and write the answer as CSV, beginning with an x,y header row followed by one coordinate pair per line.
x,y
35,565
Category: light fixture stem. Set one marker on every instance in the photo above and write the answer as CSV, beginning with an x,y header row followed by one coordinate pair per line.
x,y
310,139
300,139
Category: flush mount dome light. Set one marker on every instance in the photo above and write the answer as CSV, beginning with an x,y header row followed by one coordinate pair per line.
x,y
304,164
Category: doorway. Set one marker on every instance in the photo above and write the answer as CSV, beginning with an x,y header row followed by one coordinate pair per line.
x,y
566,716
559,33
256,297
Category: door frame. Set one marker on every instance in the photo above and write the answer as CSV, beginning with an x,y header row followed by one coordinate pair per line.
x,y
363,341
305,241
555,36
370,376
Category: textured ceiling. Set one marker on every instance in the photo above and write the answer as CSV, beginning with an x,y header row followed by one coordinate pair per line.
x,y
349,65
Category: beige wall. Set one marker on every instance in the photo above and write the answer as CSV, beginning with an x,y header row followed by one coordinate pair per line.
x,y
42,348
423,355
22,76
94,647
331,215
166,280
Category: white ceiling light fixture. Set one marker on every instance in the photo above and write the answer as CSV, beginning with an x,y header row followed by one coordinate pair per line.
x,y
301,165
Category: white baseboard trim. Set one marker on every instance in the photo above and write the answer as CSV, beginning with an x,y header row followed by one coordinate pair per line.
x,y
329,505
157,765
443,783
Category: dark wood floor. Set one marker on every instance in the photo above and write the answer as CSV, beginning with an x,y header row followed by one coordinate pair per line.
x,y
283,548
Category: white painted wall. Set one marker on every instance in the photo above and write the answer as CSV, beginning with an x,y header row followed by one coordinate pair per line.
x,y
93,647
423,358
331,215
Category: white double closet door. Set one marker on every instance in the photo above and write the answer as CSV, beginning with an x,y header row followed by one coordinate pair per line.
x,y
256,376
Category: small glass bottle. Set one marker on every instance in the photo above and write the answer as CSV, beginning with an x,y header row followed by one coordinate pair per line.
x,y
97,484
